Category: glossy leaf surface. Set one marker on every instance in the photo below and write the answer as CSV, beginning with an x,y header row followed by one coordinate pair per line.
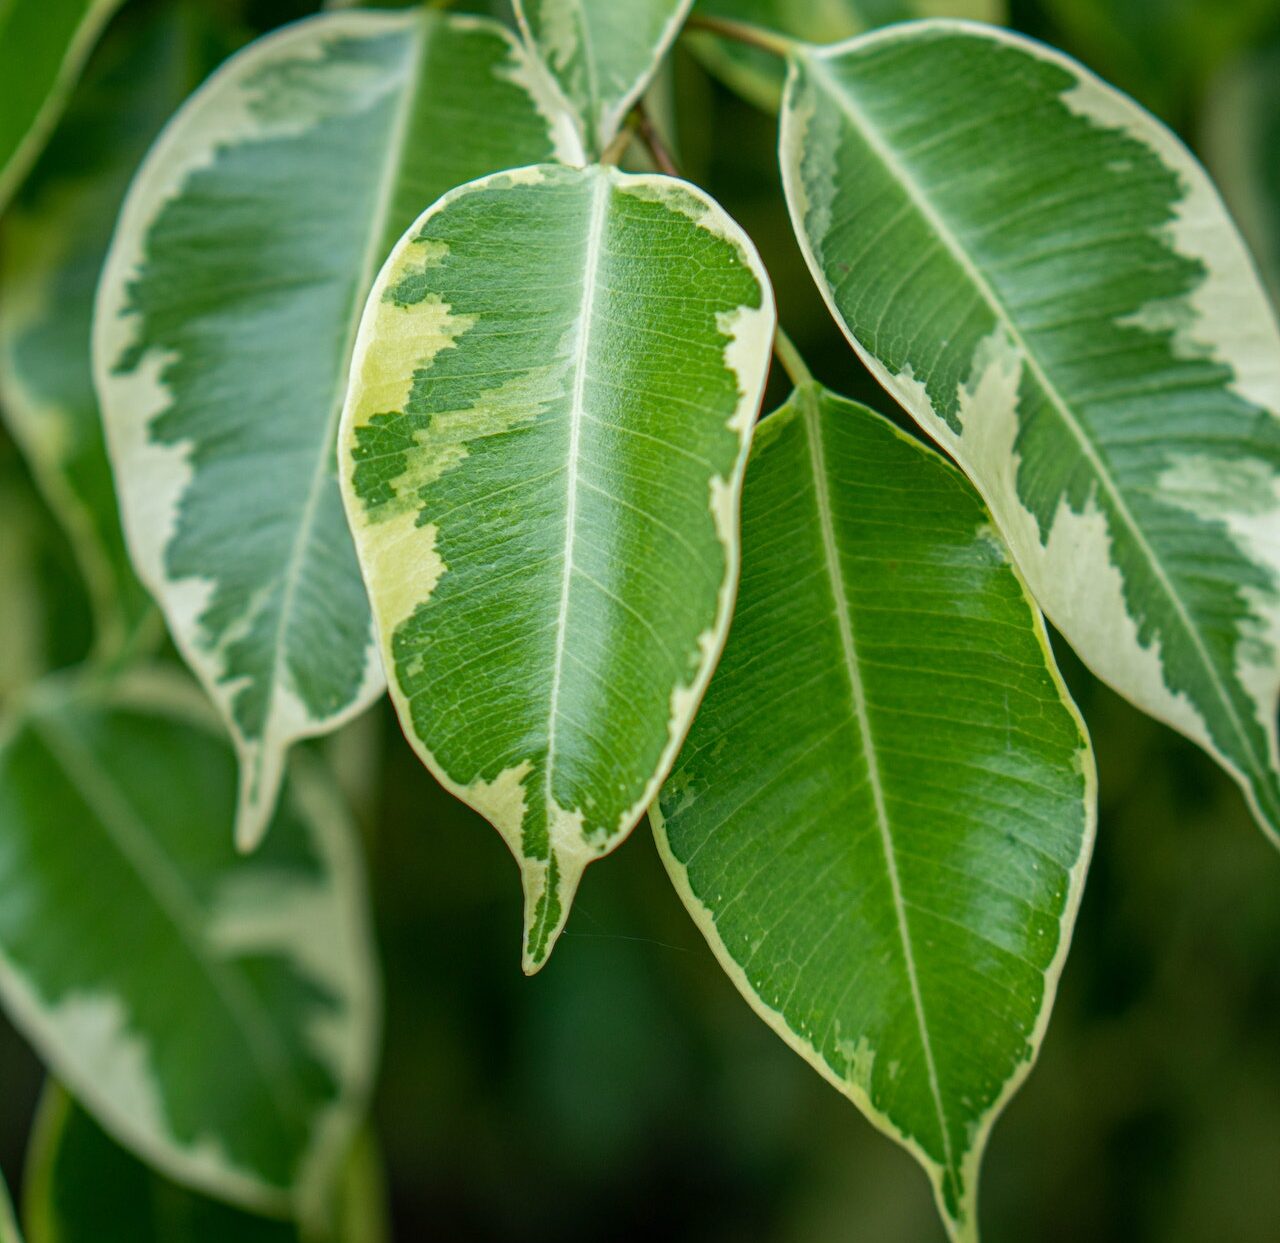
x,y
43,46
215,1013
601,54
225,321
542,453
1045,278
883,813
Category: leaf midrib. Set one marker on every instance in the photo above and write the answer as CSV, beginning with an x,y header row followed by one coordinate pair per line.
x,y
857,692
591,262
843,94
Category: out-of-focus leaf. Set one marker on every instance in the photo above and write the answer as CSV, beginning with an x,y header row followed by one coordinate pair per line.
x,y
883,814
52,246
1045,278
82,1187
224,328
542,453
216,1013
8,1223
757,75
43,46
601,55
1241,135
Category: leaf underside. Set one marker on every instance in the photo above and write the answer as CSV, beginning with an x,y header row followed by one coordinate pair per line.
x,y
1048,282
543,447
885,807
225,322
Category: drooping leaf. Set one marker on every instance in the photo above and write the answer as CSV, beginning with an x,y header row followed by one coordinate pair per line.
x,y
542,452
758,76
52,247
601,54
43,46
883,813
215,1013
224,328
82,1187
1045,278
1242,147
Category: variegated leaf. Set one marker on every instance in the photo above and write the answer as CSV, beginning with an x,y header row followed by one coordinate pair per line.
x,y
883,814
758,75
43,47
82,1187
1242,147
1045,278
542,451
52,246
601,54
225,322
216,1014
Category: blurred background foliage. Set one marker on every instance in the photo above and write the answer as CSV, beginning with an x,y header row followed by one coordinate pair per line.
x,y
627,1091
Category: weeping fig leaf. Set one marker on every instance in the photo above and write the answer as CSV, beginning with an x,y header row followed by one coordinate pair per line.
x,y
884,810
542,451
43,47
1242,147
224,325
216,1014
601,54
758,75
1048,282
82,1187
52,247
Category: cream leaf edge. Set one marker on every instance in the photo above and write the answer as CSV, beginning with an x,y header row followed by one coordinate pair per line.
x,y
501,800
1257,378
965,1231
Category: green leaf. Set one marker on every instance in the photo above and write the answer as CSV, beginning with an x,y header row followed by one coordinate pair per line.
x,y
883,814
216,1013
601,54
543,448
52,247
43,46
225,322
1044,277
758,75
1242,147
8,1225
83,1188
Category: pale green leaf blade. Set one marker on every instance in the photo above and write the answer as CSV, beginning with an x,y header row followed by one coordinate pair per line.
x,y
225,320
52,247
81,1187
217,1014
758,76
883,813
542,454
43,46
1045,278
1242,147
601,54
